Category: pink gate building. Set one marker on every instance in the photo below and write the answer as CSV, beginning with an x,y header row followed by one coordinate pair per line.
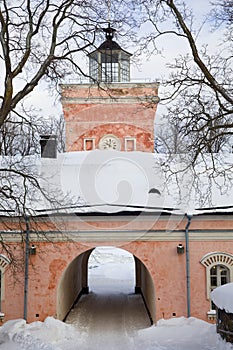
x,y
109,189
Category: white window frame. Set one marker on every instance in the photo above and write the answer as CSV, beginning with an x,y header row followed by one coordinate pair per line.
x,y
86,139
130,139
216,258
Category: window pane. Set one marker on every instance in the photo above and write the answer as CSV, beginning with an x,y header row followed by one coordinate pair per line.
x,y
224,280
213,271
213,281
219,275
225,275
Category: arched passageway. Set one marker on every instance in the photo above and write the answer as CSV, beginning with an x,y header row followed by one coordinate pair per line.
x,y
124,273
111,270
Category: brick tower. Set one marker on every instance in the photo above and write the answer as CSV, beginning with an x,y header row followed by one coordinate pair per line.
x,y
110,112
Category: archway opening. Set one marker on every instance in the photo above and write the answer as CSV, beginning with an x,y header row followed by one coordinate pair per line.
x,y
106,276
111,270
113,304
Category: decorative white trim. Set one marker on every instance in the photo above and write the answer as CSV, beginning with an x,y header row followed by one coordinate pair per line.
x,y
216,258
130,139
117,234
4,262
211,314
110,141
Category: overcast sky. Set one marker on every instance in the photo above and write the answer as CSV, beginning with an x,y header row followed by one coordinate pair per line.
x,y
149,70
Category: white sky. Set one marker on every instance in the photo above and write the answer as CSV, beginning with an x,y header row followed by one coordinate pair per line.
x,y
154,68
150,69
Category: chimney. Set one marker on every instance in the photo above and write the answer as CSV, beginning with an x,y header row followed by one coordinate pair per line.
x,y
48,145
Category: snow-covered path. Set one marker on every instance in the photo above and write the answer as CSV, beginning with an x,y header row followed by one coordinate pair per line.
x,y
109,321
111,314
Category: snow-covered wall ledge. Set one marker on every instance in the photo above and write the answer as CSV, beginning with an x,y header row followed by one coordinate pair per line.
x,y
223,297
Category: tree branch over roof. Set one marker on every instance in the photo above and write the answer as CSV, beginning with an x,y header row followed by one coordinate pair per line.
x,y
36,37
210,78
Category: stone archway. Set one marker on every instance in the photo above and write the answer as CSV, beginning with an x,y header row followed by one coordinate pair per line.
x,y
74,283
145,286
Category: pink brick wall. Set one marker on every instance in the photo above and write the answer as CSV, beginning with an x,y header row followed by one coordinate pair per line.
x,y
90,114
166,267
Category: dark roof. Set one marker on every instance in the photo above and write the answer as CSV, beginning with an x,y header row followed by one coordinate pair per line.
x,y
109,45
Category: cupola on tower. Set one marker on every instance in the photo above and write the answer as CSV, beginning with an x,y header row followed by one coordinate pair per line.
x,y
109,63
110,111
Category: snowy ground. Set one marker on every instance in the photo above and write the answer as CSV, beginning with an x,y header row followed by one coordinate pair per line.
x,y
94,326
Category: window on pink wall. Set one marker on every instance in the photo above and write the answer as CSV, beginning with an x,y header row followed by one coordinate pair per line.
x,y
4,262
130,144
89,144
219,271
219,275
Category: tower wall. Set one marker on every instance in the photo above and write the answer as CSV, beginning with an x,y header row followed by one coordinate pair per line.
x,y
125,110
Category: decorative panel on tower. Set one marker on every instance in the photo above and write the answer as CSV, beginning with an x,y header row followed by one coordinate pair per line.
x,y
110,113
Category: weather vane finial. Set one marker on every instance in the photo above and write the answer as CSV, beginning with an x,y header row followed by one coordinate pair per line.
x,y
109,31
109,10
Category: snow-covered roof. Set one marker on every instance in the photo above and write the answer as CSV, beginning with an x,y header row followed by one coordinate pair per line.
x,y
222,297
112,182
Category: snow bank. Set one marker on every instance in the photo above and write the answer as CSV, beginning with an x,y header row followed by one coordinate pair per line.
x,y
174,334
181,334
17,334
223,297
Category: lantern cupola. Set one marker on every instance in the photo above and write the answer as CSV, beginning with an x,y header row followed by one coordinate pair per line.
x,y
109,63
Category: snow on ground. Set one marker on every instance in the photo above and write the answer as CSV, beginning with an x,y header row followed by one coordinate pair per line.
x,y
174,334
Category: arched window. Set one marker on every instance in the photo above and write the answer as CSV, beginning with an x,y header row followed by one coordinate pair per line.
x,y
219,271
4,262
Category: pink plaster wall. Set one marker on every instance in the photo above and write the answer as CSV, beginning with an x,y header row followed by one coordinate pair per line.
x,y
144,138
165,266
87,118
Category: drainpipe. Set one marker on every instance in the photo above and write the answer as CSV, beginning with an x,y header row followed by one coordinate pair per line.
x,y
26,269
189,217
